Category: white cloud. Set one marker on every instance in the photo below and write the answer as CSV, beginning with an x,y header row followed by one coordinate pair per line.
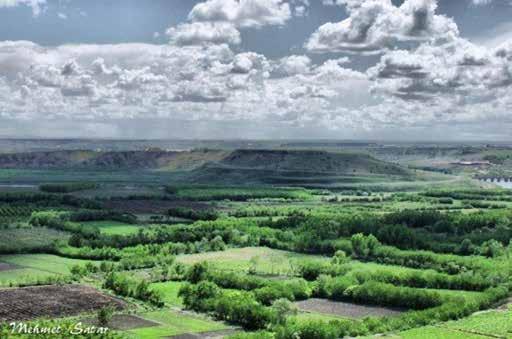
x,y
438,80
294,64
141,81
243,13
481,2
197,33
434,72
374,25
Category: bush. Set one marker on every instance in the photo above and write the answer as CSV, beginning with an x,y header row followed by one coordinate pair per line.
x,y
200,297
310,270
242,308
197,272
105,315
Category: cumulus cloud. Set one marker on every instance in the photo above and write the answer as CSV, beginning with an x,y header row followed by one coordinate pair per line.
x,y
219,21
433,72
374,25
36,5
243,13
431,77
199,82
204,32
294,64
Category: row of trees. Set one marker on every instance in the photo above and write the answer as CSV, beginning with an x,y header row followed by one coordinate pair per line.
x,y
192,214
67,187
124,285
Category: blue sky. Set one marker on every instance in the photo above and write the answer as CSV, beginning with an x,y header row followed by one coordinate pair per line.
x,y
255,68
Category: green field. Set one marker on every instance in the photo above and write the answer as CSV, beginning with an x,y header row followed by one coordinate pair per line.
x,y
174,323
491,324
27,238
169,290
109,227
264,260
34,267
432,332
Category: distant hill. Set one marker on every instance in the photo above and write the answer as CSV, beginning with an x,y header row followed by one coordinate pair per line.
x,y
222,167
289,167
123,160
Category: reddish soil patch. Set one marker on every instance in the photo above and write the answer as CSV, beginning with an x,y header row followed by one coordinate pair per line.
x,y
344,309
123,322
53,301
7,267
206,335
152,206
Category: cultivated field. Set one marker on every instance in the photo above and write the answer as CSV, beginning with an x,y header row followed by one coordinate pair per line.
x,y
51,301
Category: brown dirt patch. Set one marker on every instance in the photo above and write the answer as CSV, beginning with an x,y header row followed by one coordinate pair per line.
x,y
206,335
53,301
344,309
151,206
123,322
7,267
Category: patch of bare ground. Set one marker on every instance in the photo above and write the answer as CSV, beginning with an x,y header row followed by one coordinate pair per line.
x,y
344,309
152,206
7,267
206,335
123,322
27,303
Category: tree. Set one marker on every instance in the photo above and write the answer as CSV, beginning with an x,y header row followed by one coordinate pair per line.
x,y
492,249
197,272
283,308
339,258
359,245
372,243
199,297
466,247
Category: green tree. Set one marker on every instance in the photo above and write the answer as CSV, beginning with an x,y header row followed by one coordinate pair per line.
x,y
283,308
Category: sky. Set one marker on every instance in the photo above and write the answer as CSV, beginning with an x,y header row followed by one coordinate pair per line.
x,y
256,69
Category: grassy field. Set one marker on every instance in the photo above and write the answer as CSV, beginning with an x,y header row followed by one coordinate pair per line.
x,y
432,332
492,323
219,193
25,238
109,227
264,260
33,267
489,324
169,290
174,323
